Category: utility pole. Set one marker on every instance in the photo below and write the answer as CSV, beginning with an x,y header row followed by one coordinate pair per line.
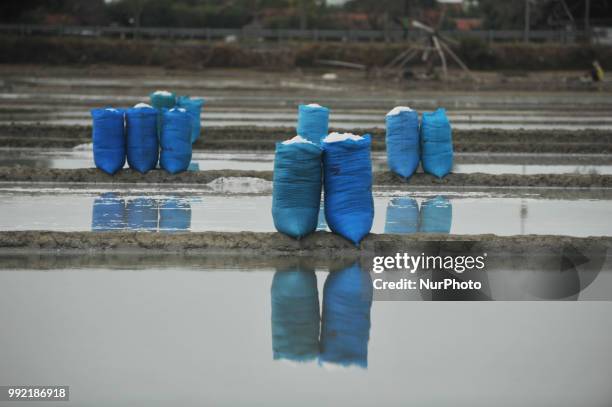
x,y
527,22
587,23
303,14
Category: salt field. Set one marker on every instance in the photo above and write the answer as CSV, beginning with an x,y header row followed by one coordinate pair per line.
x,y
82,157
65,324
195,210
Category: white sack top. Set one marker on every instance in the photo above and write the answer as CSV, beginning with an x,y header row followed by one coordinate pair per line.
x,y
297,139
162,93
398,109
335,137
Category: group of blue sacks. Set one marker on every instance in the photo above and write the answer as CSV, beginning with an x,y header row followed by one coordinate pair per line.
x,y
145,134
409,143
340,163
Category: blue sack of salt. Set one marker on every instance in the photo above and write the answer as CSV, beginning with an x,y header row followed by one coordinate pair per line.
x,y
296,193
436,143
313,122
402,141
347,170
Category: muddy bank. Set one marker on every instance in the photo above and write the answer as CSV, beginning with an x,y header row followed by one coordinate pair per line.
x,y
127,176
264,139
319,243
197,54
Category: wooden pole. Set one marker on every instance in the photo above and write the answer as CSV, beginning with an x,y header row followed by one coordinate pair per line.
x,y
587,22
527,22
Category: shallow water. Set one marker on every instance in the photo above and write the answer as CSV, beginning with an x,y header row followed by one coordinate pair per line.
x,y
82,157
181,336
395,212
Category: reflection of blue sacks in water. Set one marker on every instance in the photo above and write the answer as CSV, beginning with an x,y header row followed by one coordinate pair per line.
x,y
174,215
347,166
108,213
108,136
175,141
295,315
142,143
193,107
296,194
313,122
436,215
142,214
162,99
402,216
345,328
402,140
436,143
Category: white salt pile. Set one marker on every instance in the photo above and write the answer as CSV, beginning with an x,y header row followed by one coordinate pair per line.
x,y
162,93
335,137
398,109
141,105
314,105
297,139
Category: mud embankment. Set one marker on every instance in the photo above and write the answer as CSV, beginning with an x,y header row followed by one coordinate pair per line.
x,y
130,177
275,243
264,139
196,54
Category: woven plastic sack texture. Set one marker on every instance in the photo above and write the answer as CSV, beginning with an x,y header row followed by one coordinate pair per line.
x,y
174,215
436,215
403,145
175,141
163,100
142,142
108,213
313,123
194,108
108,138
345,327
402,216
436,143
295,315
349,206
296,194
142,214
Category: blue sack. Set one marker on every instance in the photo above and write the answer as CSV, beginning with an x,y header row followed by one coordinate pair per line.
x,y
175,141
142,144
345,324
313,122
108,213
193,107
402,216
295,315
142,214
108,139
174,215
162,99
436,143
349,206
296,194
403,145
436,215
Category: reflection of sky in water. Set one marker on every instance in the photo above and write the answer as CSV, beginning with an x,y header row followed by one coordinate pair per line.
x,y
212,331
196,211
